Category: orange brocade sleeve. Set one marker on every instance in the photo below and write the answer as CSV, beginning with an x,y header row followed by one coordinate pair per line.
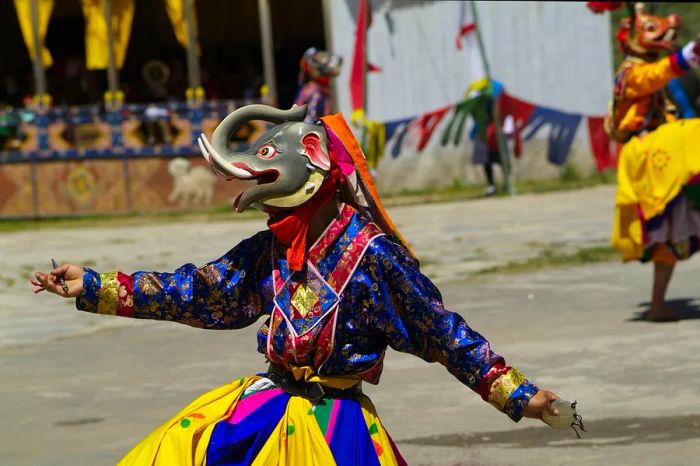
x,y
642,79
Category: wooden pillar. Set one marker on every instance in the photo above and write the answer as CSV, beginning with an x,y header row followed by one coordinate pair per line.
x,y
112,101
268,49
194,75
39,93
327,7
37,63
112,73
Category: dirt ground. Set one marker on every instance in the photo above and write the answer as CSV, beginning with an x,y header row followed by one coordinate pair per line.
x,y
79,389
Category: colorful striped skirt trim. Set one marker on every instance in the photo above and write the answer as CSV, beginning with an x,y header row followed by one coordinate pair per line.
x,y
237,424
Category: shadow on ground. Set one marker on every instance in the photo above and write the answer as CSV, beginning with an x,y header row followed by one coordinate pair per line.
x,y
603,432
687,308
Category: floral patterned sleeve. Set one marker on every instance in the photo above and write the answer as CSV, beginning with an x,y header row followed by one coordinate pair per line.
x,y
411,315
222,294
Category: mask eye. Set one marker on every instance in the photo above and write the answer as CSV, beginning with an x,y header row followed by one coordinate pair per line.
x,y
267,151
650,27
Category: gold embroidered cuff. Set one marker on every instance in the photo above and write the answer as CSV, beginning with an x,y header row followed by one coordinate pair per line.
x,y
107,294
504,386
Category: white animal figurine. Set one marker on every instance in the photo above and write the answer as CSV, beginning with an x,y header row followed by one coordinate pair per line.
x,y
191,186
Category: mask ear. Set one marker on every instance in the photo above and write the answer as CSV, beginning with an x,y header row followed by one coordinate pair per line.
x,y
316,151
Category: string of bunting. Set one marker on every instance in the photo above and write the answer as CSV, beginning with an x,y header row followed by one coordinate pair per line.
x,y
529,120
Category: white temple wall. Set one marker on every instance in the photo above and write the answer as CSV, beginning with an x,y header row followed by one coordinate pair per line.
x,y
554,54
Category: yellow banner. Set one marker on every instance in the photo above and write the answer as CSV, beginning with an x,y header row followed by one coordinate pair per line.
x,y
96,42
176,12
24,15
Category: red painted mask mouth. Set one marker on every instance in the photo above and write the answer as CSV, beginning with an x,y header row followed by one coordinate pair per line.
x,y
261,177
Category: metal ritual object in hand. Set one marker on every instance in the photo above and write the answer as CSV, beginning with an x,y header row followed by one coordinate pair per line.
x,y
60,281
567,418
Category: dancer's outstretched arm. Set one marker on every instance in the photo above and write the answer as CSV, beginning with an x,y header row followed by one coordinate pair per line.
x,y
639,79
222,294
410,313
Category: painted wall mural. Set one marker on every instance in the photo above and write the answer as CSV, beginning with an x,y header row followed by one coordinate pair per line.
x,y
82,160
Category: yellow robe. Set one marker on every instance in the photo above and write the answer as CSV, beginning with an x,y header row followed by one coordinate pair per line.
x,y
652,170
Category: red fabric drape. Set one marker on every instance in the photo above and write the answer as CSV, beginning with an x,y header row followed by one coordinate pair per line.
x,y
600,144
520,110
292,228
426,124
463,31
466,23
600,7
359,60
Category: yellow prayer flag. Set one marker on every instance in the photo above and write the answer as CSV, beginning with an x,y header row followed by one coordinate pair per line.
x,y
96,41
176,12
24,15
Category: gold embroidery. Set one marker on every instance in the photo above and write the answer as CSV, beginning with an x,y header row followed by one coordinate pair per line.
x,y
125,298
107,294
149,284
304,299
504,386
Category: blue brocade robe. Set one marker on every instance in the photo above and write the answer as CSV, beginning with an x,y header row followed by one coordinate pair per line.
x,y
360,292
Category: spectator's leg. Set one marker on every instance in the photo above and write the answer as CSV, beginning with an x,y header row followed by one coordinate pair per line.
x,y
488,170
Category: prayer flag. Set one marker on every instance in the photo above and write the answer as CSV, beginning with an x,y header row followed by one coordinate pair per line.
x,y
561,135
23,8
176,13
466,24
359,62
96,40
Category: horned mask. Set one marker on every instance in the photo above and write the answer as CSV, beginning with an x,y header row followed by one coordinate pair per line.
x,y
289,162
644,34
289,165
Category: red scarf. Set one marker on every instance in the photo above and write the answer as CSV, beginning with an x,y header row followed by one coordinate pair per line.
x,y
291,229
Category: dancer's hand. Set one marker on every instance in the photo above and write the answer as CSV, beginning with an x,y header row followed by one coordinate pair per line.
x,y
71,274
541,402
691,52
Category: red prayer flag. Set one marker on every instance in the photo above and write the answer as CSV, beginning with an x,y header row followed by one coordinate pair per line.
x,y
372,68
520,110
600,144
359,60
426,124
466,25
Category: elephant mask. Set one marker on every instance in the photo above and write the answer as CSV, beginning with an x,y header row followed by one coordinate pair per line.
x,y
289,162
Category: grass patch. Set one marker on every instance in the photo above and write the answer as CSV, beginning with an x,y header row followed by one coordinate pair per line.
x,y
570,179
6,282
551,257
456,192
217,213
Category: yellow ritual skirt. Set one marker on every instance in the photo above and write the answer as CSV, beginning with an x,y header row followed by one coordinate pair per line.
x,y
268,427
